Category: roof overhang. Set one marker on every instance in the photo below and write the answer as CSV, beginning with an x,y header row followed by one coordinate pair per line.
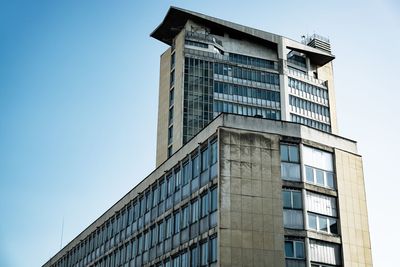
x,y
176,18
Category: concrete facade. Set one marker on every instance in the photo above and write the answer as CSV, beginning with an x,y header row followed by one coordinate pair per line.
x,y
251,225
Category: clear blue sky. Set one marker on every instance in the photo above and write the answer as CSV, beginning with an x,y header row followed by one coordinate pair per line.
x,y
78,105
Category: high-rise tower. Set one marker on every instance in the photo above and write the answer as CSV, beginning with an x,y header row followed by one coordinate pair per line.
x,y
269,184
214,66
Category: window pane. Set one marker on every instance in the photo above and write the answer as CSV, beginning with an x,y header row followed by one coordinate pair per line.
x,y
204,160
309,174
329,180
284,153
333,226
323,226
293,153
287,201
178,179
204,205
214,249
185,174
214,152
289,253
195,164
297,200
312,221
290,171
194,257
320,177
204,254
214,199
177,222
299,250
195,211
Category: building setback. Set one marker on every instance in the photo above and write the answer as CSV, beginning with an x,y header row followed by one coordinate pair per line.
x,y
250,169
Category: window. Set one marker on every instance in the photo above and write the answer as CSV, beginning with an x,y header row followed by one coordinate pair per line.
x,y
163,190
324,252
203,254
194,256
170,134
160,232
204,160
294,249
213,249
170,185
176,261
171,97
148,200
290,167
142,205
170,115
155,196
172,78
147,241
204,206
321,204
292,199
195,211
178,177
292,205
185,173
318,167
290,153
214,153
196,166
185,259
154,236
168,223
172,60
169,151
185,217
177,221
322,223
214,201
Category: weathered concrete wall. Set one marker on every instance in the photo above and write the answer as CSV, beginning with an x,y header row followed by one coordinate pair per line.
x,y
251,216
179,94
163,106
353,210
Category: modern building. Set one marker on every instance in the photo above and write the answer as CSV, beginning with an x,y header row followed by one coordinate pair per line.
x,y
250,169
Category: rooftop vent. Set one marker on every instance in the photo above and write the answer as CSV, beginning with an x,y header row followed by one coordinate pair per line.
x,y
317,41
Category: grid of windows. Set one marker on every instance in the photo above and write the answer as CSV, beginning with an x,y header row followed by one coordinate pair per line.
x,y
228,107
310,122
320,209
198,96
247,95
302,106
246,74
312,92
253,61
149,226
322,223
